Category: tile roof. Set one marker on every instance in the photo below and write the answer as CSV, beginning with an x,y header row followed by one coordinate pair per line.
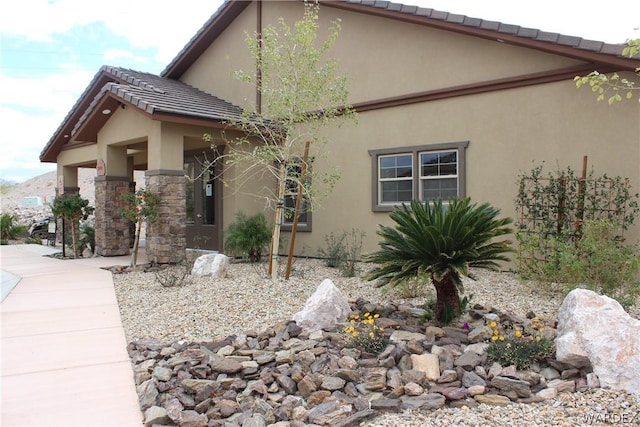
x,y
499,27
154,94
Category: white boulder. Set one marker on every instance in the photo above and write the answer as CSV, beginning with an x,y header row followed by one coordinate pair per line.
x,y
594,329
324,309
214,265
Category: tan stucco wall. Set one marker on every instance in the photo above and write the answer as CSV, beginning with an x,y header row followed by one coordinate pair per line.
x,y
213,71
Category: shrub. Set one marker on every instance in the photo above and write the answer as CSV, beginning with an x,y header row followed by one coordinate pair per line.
x,y
87,237
598,261
137,207
520,346
443,241
343,251
248,236
73,208
365,334
334,252
9,228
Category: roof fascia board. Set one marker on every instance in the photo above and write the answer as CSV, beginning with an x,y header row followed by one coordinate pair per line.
x,y
201,41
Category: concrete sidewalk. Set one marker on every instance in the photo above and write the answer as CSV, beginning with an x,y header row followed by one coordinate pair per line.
x,y
63,347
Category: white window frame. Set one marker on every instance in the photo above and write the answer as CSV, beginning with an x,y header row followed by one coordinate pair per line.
x,y
395,179
422,178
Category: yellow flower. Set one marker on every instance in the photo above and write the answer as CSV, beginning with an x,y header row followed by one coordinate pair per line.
x,y
508,345
501,337
493,324
366,314
371,334
376,316
541,328
495,332
538,338
494,338
518,334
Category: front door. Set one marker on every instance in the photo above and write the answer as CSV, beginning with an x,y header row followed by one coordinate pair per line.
x,y
204,203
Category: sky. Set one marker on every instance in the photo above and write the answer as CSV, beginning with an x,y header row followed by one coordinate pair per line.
x,y
51,49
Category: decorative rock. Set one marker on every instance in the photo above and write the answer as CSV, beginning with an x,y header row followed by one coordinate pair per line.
x,y
413,389
521,388
455,393
475,390
562,385
226,365
147,393
424,401
376,379
332,383
162,374
427,363
155,415
192,419
470,378
594,329
448,376
547,393
549,373
478,334
468,360
214,265
592,380
324,309
402,335
492,399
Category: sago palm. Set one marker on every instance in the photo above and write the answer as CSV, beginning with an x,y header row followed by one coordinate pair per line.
x,y
441,241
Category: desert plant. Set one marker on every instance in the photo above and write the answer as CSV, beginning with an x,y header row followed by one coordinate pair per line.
x,y
365,334
519,345
72,208
598,260
248,236
333,252
139,206
87,237
9,227
32,241
442,241
342,251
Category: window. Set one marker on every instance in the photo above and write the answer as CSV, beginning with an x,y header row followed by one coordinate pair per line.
x,y
290,196
422,172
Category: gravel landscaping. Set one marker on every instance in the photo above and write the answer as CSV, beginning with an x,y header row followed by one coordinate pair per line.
x,y
206,309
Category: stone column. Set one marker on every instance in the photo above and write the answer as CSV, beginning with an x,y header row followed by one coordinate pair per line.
x,y
166,240
112,230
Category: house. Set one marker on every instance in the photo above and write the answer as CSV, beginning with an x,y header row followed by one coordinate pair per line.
x,y
448,105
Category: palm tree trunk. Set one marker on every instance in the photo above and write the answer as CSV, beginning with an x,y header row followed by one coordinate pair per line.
x,y
447,299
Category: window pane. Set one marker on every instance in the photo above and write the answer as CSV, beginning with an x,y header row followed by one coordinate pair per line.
x,y
430,170
397,191
438,164
448,169
448,157
445,188
396,166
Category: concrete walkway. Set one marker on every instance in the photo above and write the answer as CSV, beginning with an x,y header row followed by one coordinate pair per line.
x,y
64,359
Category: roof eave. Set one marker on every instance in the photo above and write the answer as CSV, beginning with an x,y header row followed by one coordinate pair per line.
x,y
220,20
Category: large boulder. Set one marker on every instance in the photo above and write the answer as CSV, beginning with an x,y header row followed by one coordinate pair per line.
x,y
214,265
595,330
324,309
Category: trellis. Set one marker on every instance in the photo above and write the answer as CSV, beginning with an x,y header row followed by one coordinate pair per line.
x,y
556,207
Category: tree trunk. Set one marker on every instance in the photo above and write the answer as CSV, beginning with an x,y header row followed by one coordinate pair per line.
x,y
74,239
277,221
447,299
136,242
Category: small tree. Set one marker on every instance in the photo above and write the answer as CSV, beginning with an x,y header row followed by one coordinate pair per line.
x,y
612,84
139,206
74,209
441,241
301,92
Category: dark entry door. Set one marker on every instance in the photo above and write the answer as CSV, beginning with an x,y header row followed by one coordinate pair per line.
x,y
204,202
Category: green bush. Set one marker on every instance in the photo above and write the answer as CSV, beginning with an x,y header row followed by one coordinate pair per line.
x,y
598,261
9,227
520,346
343,251
87,237
248,236
442,241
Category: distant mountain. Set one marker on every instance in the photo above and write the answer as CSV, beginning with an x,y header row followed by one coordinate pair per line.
x,y
7,182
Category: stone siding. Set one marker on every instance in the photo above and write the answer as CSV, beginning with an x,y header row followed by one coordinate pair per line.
x,y
113,232
166,238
